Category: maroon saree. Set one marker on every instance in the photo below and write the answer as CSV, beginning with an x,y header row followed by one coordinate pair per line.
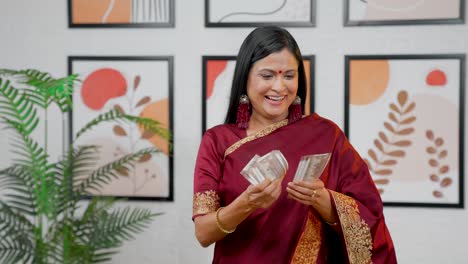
x,y
290,232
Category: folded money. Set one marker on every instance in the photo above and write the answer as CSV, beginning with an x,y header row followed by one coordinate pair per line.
x,y
311,166
271,165
252,172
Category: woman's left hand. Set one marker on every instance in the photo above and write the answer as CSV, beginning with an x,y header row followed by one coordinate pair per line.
x,y
307,192
315,194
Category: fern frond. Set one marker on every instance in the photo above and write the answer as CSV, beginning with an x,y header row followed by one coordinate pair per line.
x,y
16,233
48,89
107,173
77,163
77,233
15,251
33,160
96,207
18,180
120,225
16,109
148,124
14,224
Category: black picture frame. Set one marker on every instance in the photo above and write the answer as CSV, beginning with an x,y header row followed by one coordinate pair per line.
x,y
403,125
310,23
347,22
207,58
164,16
170,108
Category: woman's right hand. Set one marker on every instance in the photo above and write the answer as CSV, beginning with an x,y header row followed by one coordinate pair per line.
x,y
264,194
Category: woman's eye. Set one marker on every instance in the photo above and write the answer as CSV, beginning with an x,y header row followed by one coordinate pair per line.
x,y
289,76
267,76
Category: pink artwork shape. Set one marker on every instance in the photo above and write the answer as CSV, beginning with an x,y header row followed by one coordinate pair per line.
x,y
214,67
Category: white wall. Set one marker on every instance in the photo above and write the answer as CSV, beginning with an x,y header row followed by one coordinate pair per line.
x,y
34,34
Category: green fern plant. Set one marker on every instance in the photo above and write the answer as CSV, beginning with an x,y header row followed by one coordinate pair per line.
x,y
39,210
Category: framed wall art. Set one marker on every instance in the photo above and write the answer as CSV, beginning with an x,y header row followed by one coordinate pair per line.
x,y
405,115
140,86
124,13
218,72
403,12
244,13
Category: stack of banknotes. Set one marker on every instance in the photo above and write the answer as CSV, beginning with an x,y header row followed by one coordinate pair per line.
x,y
274,165
271,165
311,167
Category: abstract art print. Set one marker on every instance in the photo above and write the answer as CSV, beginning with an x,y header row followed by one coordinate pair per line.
x,y
405,115
120,13
218,72
403,12
244,13
139,86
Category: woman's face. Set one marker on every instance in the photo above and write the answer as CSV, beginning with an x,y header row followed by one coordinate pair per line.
x,y
272,86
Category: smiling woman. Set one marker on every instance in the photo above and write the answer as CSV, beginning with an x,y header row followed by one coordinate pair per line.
x,y
272,87
335,218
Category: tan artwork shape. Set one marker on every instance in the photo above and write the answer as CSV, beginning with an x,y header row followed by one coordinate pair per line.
x,y
159,111
392,141
101,11
309,81
368,80
437,154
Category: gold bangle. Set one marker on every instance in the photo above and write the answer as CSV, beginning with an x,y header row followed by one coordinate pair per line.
x,y
331,224
219,224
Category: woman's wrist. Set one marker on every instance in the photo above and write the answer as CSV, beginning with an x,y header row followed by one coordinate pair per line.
x,y
229,217
220,225
244,205
323,204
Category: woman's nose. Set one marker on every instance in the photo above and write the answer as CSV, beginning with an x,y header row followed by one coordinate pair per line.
x,y
279,85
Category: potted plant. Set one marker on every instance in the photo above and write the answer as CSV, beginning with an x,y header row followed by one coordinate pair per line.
x,y
42,216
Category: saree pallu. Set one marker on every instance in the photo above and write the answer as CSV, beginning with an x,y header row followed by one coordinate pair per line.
x,y
288,231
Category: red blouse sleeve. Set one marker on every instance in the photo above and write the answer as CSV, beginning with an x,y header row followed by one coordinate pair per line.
x,y
208,171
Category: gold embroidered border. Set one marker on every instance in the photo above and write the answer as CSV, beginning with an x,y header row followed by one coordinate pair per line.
x,y
205,202
307,249
356,232
261,133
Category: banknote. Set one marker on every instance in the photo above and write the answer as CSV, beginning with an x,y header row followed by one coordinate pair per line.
x,y
271,165
252,172
311,166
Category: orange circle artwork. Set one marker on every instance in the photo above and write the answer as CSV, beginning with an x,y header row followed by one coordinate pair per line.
x,y
368,80
158,110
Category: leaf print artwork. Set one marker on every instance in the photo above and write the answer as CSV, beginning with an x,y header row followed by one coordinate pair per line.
x,y
404,114
390,143
437,154
123,93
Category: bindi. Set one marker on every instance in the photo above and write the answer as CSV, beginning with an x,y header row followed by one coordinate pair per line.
x,y
280,71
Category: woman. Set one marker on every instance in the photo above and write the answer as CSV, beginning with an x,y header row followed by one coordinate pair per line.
x,y
337,218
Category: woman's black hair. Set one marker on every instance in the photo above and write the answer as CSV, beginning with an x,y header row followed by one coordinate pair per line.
x,y
260,43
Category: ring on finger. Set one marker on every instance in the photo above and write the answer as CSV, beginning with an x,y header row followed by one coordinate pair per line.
x,y
314,193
